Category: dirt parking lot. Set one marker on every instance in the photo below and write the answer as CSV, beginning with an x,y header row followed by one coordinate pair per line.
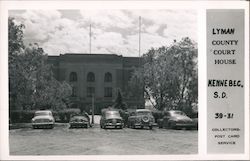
x,y
95,141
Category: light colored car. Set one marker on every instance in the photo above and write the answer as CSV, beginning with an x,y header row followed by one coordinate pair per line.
x,y
175,119
141,118
111,119
43,119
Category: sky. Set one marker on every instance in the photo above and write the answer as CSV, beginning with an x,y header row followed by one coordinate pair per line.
x,y
113,31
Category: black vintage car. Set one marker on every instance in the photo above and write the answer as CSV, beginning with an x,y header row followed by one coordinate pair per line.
x,y
175,119
141,118
79,120
111,119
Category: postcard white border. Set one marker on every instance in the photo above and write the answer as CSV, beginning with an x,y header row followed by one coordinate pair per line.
x,y
200,6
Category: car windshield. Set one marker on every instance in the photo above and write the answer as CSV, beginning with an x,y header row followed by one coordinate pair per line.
x,y
143,113
178,113
42,113
78,118
112,113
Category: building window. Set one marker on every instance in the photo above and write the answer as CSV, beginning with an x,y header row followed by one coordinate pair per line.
x,y
73,91
108,92
90,91
108,77
90,77
73,77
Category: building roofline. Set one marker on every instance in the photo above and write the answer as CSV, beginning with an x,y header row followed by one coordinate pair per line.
x,y
87,54
93,54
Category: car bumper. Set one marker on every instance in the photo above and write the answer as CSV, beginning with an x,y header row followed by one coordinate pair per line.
x,y
148,124
114,124
184,125
78,124
42,123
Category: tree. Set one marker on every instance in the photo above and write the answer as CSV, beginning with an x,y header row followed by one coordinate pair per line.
x,y
119,104
169,76
32,84
135,84
15,42
15,47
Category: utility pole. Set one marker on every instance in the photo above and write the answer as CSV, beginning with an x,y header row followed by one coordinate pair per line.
x,y
93,108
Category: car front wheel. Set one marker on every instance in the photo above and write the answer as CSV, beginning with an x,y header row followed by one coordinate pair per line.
x,y
171,125
51,126
133,126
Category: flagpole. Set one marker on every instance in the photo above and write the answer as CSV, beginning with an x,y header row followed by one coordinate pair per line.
x,y
90,38
93,95
139,41
139,36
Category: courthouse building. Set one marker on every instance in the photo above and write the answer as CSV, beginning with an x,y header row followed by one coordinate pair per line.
x,y
96,78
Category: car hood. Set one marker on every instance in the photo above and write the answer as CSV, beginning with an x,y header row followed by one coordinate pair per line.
x,y
113,117
79,118
42,117
141,116
183,118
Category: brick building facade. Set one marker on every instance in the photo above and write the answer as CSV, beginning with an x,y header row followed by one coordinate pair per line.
x,y
97,76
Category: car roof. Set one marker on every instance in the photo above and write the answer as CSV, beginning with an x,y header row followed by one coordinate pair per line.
x,y
78,116
174,111
142,110
112,111
109,109
42,111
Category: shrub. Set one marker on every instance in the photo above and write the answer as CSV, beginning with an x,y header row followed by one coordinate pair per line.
x,y
21,116
25,116
157,115
64,115
14,116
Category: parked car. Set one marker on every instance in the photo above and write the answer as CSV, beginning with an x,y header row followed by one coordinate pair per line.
x,y
141,118
175,119
195,120
43,119
80,120
111,118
